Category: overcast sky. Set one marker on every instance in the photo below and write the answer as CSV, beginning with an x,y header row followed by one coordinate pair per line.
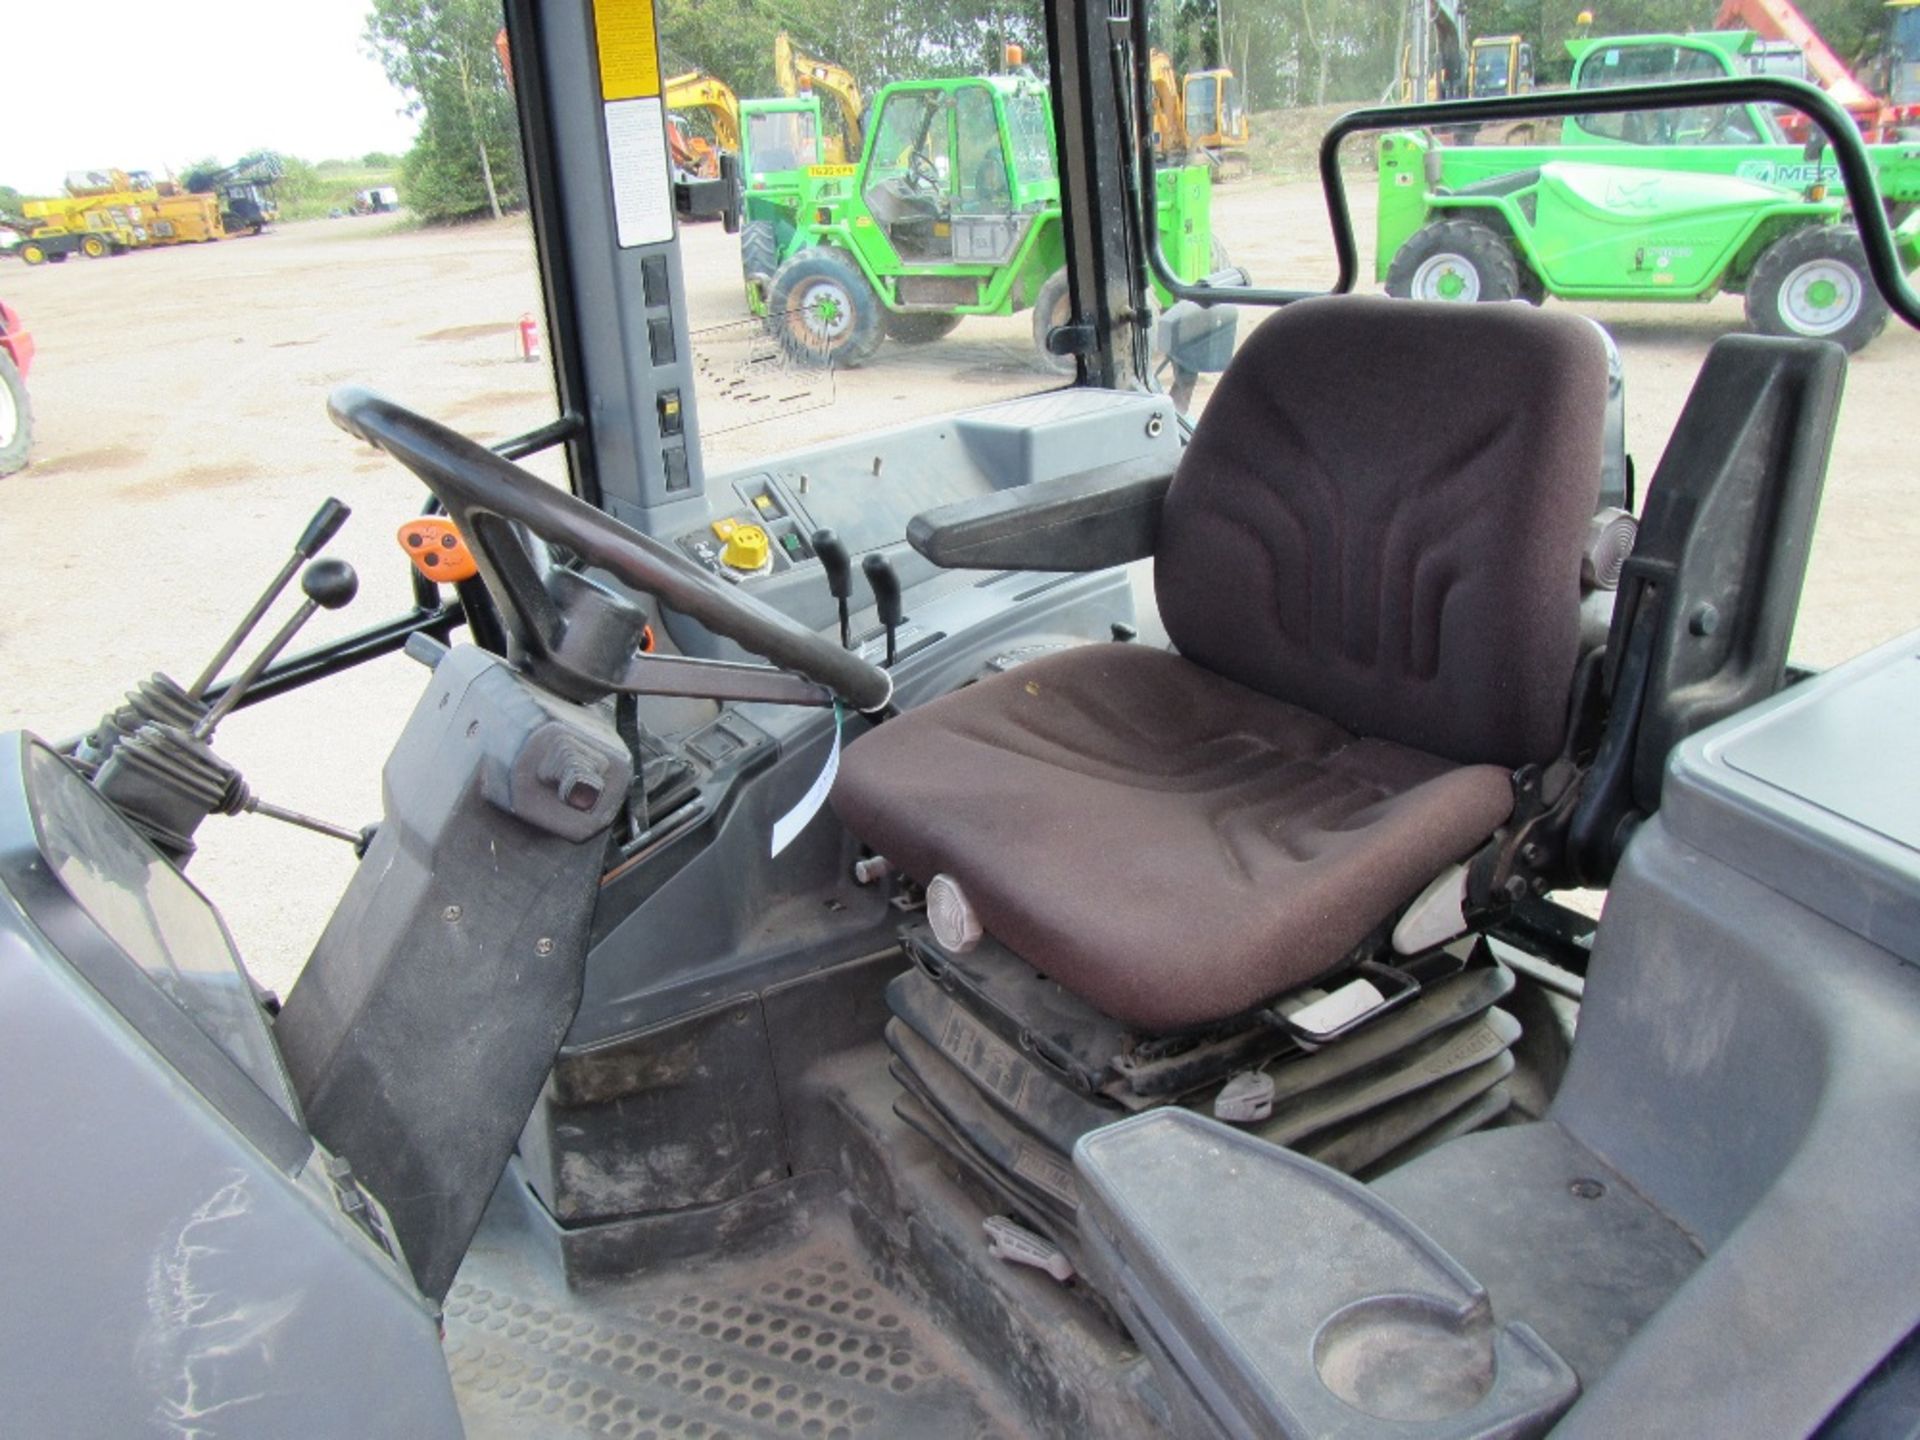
x,y
134,84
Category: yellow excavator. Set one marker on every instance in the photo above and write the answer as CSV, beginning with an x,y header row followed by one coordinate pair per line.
x,y
1200,116
796,71
698,93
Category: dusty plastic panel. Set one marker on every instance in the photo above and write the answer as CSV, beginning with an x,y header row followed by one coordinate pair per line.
x,y
168,1252
1817,795
1284,1299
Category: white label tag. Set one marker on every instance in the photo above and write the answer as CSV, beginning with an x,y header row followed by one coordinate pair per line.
x,y
788,827
642,186
1343,1006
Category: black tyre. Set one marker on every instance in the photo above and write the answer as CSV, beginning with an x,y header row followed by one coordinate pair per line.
x,y
16,418
1814,282
759,252
823,310
93,247
33,253
920,327
1053,307
1455,260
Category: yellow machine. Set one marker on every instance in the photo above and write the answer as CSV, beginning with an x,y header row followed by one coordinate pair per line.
x,y
106,211
698,93
1202,116
795,72
1502,65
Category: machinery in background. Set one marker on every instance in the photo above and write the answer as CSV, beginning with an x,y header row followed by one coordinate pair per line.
x,y
1583,231
244,191
799,74
380,200
16,414
781,141
1624,206
703,121
953,210
98,214
1788,44
1201,116
1500,65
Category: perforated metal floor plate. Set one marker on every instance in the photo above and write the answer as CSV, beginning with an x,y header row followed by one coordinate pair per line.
x,y
802,1342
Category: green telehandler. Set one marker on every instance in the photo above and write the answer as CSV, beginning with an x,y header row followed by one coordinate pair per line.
x,y
953,210
1680,204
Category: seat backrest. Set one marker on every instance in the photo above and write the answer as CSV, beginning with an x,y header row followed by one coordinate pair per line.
x,y
1381,515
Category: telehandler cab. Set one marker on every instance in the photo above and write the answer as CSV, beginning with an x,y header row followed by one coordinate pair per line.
x,y
957,1003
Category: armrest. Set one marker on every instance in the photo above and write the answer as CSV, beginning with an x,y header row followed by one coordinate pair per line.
x,y
1074,522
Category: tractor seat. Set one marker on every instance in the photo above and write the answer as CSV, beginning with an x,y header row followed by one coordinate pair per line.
x,y
1369,565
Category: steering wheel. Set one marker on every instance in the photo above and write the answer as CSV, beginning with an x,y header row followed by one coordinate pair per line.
x,y
574,635
922,173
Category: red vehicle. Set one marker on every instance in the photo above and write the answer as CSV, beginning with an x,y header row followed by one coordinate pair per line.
x,y
16,417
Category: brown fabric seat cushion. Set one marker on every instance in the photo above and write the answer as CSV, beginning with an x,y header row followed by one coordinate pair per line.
x,y
1167,844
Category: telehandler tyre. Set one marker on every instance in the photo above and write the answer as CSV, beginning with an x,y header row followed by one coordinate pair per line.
x,y
1814,282
920,327
759,251
1455,260
16,419
1052,307
823,310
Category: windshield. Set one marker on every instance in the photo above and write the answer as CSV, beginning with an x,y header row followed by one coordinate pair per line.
x,y
1030,128
1649,64
783,140
1490,70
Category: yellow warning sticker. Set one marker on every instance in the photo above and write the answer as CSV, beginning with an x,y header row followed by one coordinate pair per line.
x,y
629,51
831,172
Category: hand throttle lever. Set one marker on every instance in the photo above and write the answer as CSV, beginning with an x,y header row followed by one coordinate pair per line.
x,y
328,585
839,568
886,596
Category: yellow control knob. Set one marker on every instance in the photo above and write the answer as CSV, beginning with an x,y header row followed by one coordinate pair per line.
x,y
747,549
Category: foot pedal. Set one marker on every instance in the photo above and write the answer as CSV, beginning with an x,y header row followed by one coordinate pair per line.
x,y
1011,1241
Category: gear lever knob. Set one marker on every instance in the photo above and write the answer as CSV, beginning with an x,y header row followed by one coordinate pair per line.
x,y
330,584
839,568
886,595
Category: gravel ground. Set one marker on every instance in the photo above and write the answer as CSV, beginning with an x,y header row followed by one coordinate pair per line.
x,y
182,442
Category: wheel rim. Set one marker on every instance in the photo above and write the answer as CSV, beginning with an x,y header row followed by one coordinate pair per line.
x,y
1820,297
1446,277
824,314
9,416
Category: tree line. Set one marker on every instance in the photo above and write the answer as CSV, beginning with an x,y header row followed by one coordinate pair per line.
x,y
440,54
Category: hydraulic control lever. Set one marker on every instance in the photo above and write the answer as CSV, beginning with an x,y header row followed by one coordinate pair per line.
x,y
160,699
325,524
839,568
886,596
166,778
328,585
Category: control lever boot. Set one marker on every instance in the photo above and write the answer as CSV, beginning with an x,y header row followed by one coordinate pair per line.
x,y
886,596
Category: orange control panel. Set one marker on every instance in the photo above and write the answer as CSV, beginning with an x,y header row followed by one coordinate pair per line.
x,y
436,549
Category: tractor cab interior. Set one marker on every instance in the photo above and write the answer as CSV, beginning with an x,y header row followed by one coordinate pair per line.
x,y
961,1000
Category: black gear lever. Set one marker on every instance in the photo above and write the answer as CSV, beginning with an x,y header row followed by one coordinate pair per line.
x,y
839,568
325,524
886,596
328,585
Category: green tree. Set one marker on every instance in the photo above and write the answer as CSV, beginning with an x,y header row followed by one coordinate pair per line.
x,y
440,55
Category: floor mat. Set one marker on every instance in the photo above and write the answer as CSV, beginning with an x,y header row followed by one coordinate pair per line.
x,y
799,1342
